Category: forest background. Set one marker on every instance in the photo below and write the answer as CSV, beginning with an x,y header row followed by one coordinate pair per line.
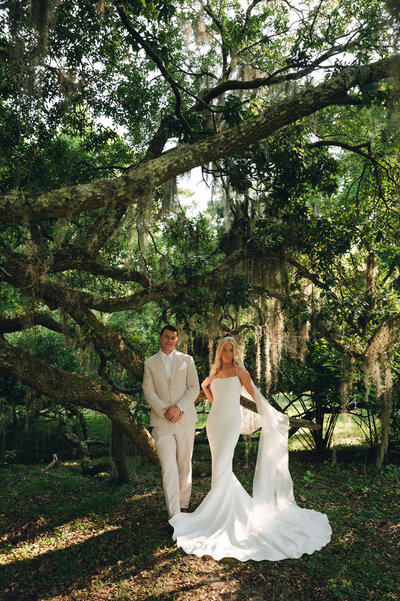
x,y
291,110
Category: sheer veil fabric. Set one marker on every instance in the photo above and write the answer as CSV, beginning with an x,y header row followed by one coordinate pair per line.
x,y
268,525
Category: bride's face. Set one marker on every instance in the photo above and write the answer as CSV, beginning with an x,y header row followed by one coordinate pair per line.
x,y
227,354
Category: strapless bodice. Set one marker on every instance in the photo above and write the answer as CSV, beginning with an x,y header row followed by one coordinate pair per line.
x,y
226,390
225,412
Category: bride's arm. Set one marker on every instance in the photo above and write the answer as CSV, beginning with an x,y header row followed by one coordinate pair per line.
x,y
205,385
245,379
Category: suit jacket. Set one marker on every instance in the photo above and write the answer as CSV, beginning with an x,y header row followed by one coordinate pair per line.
x,y
182,389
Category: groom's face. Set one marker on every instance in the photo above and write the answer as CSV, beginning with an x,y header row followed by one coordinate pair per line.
x,y
168,340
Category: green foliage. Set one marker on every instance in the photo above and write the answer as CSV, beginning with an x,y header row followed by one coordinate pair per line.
x,y
8,458
50,347
136,329
238,294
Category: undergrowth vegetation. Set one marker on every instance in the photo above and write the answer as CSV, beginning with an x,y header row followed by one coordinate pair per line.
x,y
68,537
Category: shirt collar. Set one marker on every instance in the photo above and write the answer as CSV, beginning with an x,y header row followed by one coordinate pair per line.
x,y
170,356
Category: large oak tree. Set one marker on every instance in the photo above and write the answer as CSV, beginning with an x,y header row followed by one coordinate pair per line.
x,y
103,104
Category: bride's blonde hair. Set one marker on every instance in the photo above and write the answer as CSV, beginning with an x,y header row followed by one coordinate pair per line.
x,y
237,359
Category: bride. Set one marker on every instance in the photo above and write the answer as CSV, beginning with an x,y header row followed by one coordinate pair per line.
x,y
229,522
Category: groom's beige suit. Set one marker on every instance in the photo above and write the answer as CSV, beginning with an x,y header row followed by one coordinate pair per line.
x,y
174,440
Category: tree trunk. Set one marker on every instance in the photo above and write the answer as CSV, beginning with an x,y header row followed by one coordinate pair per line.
x,y
118,453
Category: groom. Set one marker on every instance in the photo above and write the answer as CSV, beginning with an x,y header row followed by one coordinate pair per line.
x,y
170,386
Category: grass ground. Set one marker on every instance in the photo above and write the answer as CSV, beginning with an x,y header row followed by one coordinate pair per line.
x,y
65,537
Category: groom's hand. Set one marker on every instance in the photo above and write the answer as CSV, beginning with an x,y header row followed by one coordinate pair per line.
x,y
173,414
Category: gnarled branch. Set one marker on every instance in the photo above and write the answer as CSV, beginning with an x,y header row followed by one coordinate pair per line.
x,y
73,388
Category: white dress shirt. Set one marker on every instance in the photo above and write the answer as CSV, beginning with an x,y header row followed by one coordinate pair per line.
x,y
167,359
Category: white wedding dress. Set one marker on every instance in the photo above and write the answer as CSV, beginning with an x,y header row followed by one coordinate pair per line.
x,y
231,523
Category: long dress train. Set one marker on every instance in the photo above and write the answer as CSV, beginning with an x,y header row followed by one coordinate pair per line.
x,y
231,523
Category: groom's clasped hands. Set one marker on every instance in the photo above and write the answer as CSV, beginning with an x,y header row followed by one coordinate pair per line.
x,y
173,414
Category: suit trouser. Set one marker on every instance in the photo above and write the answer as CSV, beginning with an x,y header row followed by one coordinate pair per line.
x,y
175,449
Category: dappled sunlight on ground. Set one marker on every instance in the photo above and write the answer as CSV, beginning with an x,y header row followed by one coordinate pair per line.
x,y
92,540
63,536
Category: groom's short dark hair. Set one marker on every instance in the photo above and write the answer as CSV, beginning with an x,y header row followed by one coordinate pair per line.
x,y
168,327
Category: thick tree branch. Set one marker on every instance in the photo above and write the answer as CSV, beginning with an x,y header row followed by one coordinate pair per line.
x,y
293,421
33,281
24,322
158,141
120,274
19,207
78,390
107,338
